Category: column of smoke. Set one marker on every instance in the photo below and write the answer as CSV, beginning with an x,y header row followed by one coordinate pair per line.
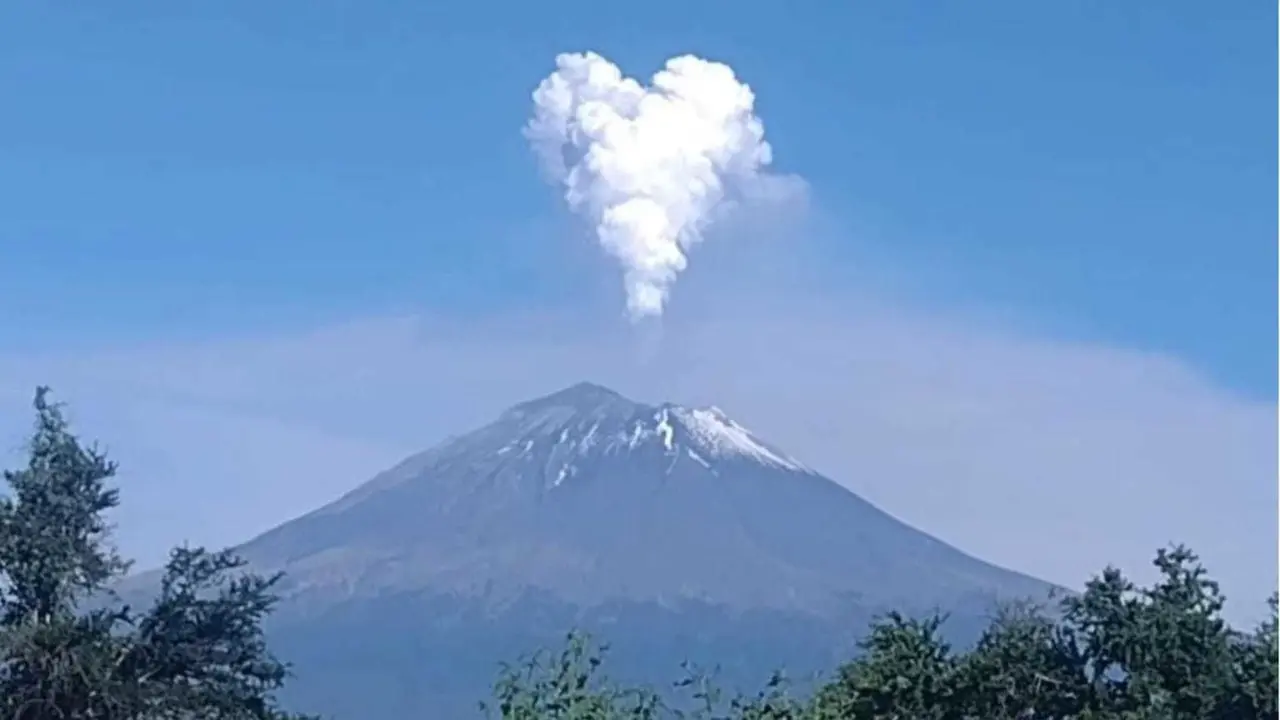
x,y
648,167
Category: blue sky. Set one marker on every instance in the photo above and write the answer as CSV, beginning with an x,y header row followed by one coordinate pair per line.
x,y
1093,177
1106,170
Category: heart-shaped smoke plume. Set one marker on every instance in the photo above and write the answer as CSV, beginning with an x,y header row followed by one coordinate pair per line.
x,y
647,166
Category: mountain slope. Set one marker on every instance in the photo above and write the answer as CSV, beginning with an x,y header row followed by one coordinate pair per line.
x,y
672,532
590,497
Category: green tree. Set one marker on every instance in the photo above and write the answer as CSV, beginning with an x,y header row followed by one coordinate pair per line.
x,y
1113,652
1156,652
906,670
567,686
1024,664
1254,671
197,653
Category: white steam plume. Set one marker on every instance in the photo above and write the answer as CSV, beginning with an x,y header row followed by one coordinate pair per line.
x,y
648,166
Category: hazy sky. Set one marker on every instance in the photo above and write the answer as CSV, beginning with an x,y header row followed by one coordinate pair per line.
x,y
1028,303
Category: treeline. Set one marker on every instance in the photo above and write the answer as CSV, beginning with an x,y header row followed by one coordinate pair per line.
x,y
1113,652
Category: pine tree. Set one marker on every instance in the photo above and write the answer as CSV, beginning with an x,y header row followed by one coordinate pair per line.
x,y
197,653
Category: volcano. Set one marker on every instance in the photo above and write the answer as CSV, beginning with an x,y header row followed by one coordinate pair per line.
x,y
674,533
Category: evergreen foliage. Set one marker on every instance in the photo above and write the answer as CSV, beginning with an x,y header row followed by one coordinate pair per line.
x,y
197,653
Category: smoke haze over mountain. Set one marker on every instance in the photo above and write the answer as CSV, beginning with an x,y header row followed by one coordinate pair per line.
x,y
942,423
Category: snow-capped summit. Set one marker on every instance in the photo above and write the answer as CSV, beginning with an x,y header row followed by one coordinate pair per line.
x,y
589,421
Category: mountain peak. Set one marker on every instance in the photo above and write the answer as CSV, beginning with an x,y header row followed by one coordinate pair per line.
x,y
580,396
584,424
590,496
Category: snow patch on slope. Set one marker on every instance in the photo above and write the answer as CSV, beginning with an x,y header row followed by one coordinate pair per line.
x,y
665,430
719,436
